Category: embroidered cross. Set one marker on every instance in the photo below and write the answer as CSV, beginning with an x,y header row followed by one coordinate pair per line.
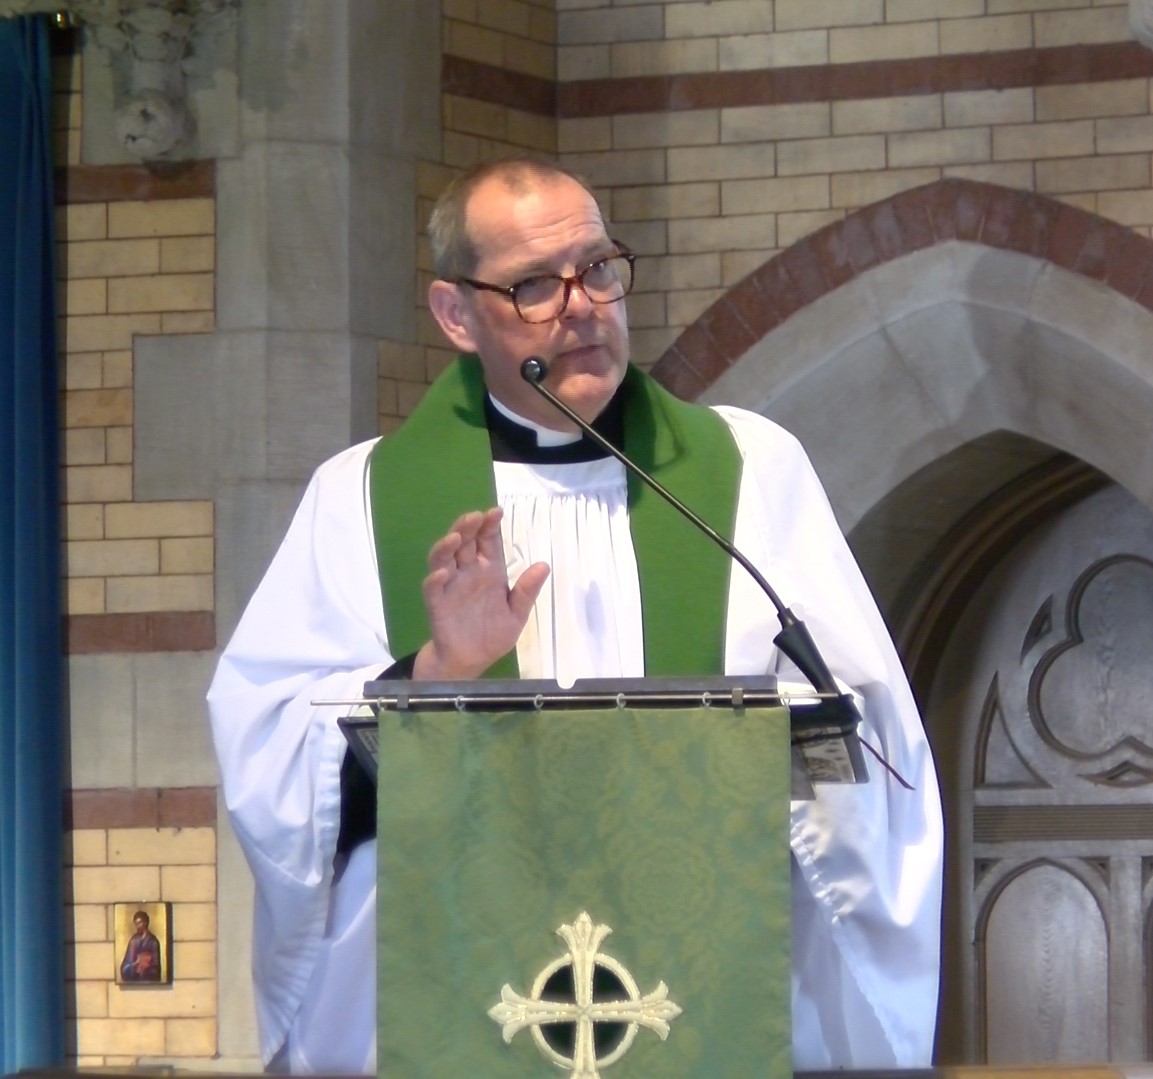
x,y
582,964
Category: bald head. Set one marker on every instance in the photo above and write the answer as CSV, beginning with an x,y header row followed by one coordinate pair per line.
x,y
454,246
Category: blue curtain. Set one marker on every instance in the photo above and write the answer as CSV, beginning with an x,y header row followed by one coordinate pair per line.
x,y
32,727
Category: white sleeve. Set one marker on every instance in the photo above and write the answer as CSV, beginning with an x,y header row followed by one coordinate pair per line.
x,y
867,857
314,629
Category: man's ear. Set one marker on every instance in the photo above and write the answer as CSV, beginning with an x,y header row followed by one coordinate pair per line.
x,y
452,312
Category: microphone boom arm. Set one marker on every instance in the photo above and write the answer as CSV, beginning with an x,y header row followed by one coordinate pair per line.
x,y
794,639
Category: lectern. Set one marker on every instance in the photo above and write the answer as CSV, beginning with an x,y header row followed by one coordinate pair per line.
x,y
584,879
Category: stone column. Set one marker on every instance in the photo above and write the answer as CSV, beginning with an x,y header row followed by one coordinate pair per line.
x,y
315,263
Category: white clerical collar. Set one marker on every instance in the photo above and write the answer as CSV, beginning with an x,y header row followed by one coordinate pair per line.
x,y
545,436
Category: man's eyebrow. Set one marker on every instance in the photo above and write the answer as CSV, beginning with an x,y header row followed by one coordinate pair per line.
x,y
545,268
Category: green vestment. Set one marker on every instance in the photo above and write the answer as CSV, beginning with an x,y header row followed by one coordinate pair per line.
x,y
439,465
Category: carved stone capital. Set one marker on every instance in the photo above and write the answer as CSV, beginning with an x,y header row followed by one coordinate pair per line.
x,y
152,45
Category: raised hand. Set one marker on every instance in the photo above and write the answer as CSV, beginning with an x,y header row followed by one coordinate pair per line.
x,y
473,614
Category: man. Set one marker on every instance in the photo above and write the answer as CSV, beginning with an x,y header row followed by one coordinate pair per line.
x,y
545,572
141,962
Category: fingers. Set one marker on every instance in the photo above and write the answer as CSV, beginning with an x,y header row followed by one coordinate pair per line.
x,y
488,539
474,534
524,592
443,552
475,537
475,617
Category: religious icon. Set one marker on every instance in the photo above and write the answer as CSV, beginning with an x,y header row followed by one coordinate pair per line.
x,y
143,943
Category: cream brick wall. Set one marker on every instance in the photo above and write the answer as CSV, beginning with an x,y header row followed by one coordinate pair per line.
x,y
124,556
515,35
826,14
126,268
719,191
753,51
707,195
621,38
113,1026
518,36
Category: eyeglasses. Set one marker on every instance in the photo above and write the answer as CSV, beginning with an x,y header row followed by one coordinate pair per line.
x,y
542,298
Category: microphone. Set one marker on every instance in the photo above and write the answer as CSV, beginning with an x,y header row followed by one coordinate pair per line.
x,y
794,639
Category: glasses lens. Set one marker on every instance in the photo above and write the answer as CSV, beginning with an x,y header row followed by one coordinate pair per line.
x,y
608,280
539,299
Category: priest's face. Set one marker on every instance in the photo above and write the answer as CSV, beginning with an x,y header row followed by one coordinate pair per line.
x,y
552,227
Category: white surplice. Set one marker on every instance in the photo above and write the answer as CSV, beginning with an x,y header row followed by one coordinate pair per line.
x,y
866,858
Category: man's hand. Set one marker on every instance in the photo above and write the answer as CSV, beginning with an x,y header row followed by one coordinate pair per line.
x,y
473,614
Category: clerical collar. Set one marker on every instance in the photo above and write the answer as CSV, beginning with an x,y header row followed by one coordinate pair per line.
x,y
515,439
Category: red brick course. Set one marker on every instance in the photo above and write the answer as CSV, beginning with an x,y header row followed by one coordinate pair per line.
x,y
150,631
146,807
1012,68
136,183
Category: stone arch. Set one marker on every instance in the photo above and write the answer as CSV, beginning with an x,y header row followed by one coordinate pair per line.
x,y
963,362
966,211
949,343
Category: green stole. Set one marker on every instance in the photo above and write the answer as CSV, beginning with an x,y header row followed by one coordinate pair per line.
x,y
684,576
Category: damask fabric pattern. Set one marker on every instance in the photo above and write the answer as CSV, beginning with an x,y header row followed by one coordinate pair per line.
x,y
669,826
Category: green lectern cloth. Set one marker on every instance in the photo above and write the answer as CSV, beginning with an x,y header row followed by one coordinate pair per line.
x,y
667,826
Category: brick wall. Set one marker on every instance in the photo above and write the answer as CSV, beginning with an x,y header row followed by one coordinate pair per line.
x,y
499,71
599,39
140,846
514,41
706,194
724,132
136,256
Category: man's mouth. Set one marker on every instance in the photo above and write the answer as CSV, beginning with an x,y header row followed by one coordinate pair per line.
x,y
579,351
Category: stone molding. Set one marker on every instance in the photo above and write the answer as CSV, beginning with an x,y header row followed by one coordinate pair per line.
x,y
953,209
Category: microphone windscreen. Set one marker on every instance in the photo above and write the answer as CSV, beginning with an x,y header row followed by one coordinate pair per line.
x,y
533,369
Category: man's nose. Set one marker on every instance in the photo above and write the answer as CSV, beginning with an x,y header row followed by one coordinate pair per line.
x,y
579,305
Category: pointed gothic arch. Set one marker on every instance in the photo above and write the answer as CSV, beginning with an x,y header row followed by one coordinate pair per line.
x,y
967,211
953,341
964,363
